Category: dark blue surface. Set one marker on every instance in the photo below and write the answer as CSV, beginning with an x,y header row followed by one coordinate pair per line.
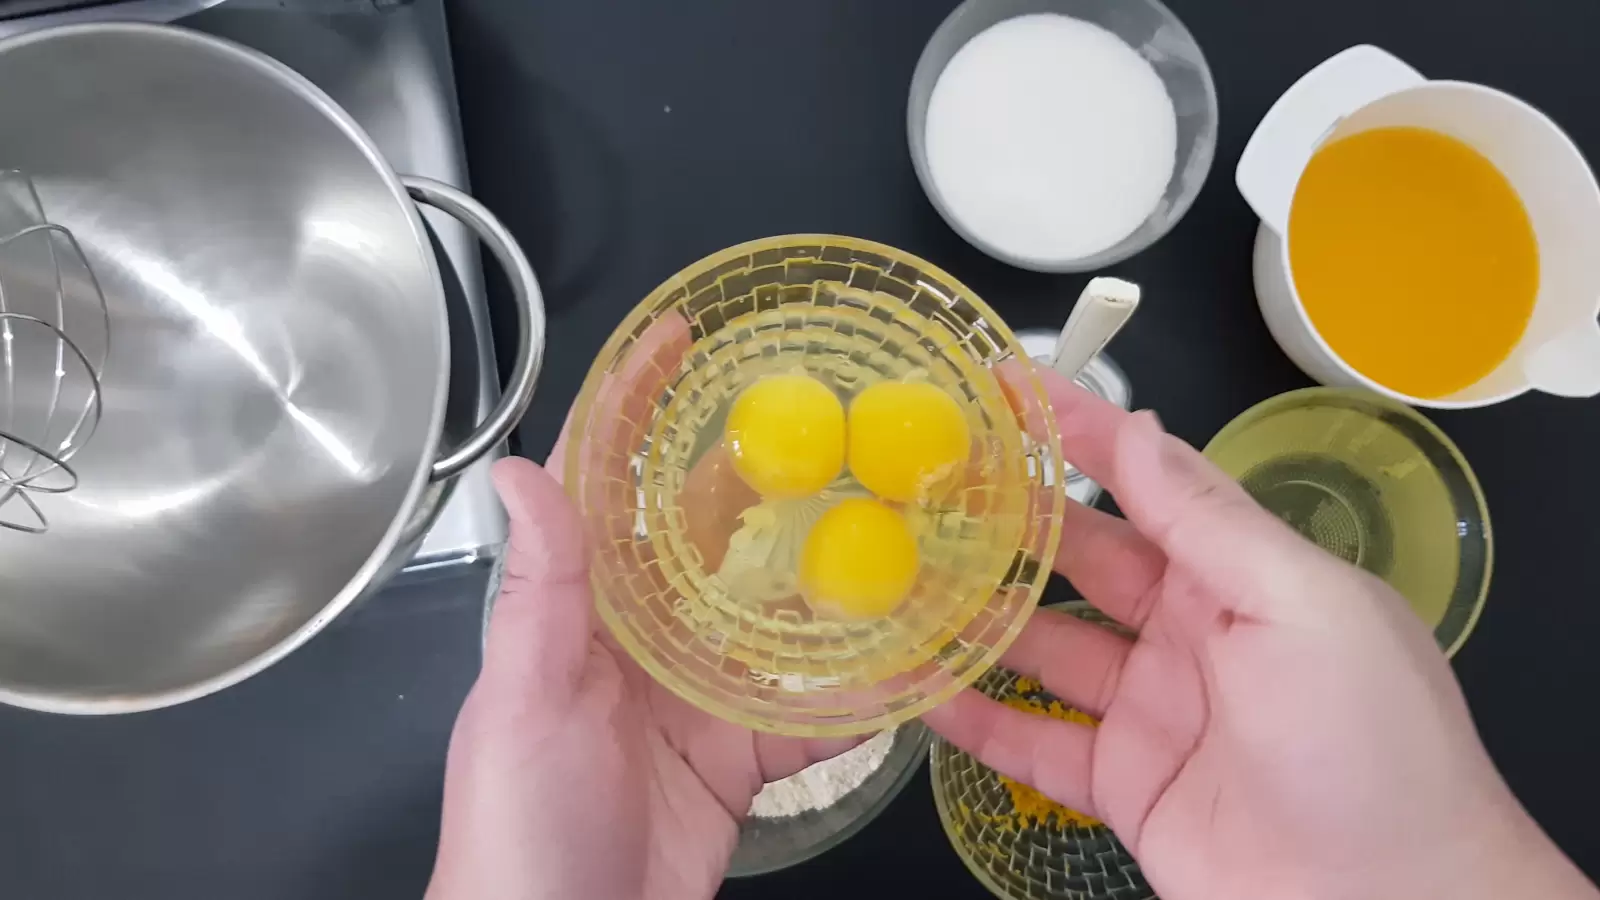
x,y
789,117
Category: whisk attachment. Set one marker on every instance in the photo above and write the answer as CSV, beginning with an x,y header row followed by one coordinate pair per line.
x,y
54,341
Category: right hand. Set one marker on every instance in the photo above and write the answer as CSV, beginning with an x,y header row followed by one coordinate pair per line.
x,y
1282,727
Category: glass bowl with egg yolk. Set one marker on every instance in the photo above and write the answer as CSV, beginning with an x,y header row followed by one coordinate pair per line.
x,y
817,477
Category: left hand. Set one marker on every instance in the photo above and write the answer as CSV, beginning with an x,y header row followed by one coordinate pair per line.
x,y
573,774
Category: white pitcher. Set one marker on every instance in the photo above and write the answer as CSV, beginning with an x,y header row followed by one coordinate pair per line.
x,y
1365,88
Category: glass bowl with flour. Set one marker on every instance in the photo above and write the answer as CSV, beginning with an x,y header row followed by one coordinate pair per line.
x,y
822,806
1062,135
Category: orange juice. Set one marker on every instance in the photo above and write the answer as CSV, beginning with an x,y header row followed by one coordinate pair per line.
x,y
1414,258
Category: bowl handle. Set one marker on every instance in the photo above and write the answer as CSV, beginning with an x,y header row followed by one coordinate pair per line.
x,y
1297,124
530,319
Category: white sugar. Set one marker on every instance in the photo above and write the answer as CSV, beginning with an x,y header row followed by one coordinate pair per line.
x,y
1050,138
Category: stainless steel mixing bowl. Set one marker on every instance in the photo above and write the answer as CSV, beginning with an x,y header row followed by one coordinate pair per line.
x,y
277,373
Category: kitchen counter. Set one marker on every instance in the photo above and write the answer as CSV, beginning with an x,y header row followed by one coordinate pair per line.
x,y
622,140
319,779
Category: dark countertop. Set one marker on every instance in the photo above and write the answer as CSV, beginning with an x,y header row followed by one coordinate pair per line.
x,y
623,139
319,779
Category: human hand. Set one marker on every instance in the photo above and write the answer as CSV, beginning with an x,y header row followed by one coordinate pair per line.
x,y
1282,727
572,774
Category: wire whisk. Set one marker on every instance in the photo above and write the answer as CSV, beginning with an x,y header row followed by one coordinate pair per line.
x,y
54,342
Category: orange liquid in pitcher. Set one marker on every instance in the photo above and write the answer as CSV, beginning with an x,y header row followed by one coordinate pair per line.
x,y
1414,257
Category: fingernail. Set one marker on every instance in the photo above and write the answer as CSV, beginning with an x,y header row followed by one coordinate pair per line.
x,y
501,475
546,533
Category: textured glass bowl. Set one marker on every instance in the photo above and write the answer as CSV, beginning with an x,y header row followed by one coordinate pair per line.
x,y
849,312
1033,862
1158,36
1374,482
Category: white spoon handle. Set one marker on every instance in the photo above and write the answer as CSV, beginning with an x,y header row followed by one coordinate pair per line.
x,y
1102,309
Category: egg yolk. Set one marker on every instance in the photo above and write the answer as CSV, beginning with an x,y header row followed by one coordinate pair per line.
x,y
786,436
906,437
859,561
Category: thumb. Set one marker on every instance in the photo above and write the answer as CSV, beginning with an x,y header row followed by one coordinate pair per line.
x,y
539,632
1210,528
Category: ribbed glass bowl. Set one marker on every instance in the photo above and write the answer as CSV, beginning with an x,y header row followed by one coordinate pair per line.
x,y
1019,860
850,313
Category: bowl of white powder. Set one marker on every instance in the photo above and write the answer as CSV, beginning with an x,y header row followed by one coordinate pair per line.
x,y
1062,135
822,806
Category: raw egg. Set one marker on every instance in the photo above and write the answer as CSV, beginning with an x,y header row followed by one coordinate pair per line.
x,y
786,435
905,437
859,561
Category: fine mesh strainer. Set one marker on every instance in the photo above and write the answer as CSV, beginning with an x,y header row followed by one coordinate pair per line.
x,y
1375,483
54,333
645,467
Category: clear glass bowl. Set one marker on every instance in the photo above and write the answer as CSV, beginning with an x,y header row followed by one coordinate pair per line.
x,y
1158,36
770,844
1019,860
849,312
1374,482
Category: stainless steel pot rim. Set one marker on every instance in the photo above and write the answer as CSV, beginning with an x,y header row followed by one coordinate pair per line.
x,y
429,463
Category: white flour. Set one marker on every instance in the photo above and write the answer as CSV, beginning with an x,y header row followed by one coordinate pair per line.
x,y
1050,138
824,784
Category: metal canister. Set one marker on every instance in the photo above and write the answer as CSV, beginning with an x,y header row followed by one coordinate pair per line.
x,y
1102,377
